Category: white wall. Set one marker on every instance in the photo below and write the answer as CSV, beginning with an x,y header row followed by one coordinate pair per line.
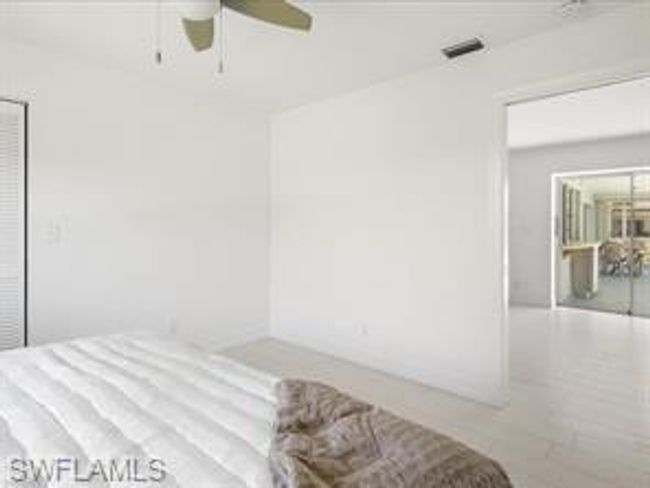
x,y
148,209
530,173
386,223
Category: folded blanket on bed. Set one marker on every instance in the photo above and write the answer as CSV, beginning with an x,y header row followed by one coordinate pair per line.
x,y
324,438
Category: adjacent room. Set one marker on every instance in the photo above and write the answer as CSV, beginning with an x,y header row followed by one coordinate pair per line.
x,y
310,244
579,222
602,263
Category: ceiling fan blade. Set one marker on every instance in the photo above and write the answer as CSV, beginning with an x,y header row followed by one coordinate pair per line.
x,y
200,33
277,12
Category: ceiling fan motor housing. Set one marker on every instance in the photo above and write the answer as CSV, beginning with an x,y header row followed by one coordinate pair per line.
x,y
199,9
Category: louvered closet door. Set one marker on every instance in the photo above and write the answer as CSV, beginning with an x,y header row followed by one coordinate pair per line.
x,y
12,225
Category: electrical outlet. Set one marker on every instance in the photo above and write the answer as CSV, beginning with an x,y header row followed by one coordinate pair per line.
x,y
173,325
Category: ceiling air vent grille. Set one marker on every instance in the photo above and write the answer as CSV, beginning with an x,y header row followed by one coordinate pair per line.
x,y
464,47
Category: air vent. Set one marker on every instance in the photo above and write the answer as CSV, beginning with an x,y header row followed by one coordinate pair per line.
x,y
461,48
571,7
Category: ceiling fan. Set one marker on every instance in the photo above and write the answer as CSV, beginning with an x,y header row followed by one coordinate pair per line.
x,y
198,17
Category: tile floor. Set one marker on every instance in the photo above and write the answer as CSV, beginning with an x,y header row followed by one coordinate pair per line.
x,y
615,294
579,413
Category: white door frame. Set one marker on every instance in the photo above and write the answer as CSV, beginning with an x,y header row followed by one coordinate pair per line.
x,y
499,180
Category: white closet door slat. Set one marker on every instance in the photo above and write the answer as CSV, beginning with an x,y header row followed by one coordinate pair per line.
x,y
12,225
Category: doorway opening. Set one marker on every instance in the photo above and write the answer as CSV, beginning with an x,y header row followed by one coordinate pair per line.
x,y
579,199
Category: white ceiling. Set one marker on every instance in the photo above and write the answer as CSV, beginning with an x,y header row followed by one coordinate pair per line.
x,y
353,43
611,111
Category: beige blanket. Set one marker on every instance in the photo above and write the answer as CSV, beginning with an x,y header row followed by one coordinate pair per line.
x,y
325,438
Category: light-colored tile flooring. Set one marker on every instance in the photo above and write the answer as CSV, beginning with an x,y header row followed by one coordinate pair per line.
x,y
579,412
615,294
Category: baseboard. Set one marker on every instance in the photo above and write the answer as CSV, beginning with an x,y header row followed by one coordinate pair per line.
x,y
453,383
227,339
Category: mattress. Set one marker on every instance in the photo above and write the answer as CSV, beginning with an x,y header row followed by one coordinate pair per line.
x,y
133,410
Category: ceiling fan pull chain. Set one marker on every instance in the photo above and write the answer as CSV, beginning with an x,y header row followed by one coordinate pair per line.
x,y
158,31
221,38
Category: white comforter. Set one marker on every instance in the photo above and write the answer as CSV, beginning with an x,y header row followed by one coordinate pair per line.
x,y
207,418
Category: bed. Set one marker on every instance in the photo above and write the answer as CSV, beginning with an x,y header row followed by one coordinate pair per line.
x,y
134,397
146,411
